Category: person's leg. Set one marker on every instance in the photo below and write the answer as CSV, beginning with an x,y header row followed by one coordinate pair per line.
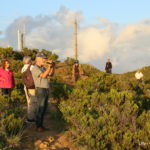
x,y
45,103
4,91
9,92
0,91
76,77
28,102
41,106
32,104
110,71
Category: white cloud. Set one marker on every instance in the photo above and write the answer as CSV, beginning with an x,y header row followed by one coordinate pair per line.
x,y
132,32
66,17
128,46
93,43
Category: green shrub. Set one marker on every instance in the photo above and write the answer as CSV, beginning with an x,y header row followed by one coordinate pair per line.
x,y
50,55
89,70
6,53
11,121
107,112
12,125
60,90
68,70
69,61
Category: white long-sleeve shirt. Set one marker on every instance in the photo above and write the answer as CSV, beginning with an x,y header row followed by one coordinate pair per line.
x,y
24,68
138,75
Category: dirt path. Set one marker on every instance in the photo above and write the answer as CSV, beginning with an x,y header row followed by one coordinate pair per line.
x,y
55,138
52,139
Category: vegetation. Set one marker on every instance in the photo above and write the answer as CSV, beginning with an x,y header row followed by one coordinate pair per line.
x,y
109,112
69,61
12,112
104,111
89,70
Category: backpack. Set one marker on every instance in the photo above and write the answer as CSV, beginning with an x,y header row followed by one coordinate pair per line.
x,y
28,79
76,69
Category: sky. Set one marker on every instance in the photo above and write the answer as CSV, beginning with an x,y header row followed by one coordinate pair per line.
x,y
115,29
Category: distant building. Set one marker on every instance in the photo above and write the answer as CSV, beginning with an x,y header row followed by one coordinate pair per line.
x,y
21,40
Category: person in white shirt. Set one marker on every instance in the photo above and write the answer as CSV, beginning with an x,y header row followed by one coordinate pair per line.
x,y
139,75
30,93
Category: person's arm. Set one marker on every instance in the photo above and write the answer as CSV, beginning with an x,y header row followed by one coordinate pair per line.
x,y
110,65
52,71
47,72
106,66
1,78
13,80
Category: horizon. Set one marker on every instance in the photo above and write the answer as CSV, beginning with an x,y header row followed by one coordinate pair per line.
x,y
62,61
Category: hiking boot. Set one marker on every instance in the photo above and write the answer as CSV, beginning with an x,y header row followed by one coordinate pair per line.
x,y
41,129
46,129
30,120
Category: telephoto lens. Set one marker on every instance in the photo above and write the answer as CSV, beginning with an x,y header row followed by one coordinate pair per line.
x,y
49,62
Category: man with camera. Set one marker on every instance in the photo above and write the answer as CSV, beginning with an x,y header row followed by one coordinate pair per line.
x,y
40,76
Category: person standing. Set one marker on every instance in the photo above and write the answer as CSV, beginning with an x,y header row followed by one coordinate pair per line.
x,y
7,82
40,75
139,76
76,71
108,66
29,89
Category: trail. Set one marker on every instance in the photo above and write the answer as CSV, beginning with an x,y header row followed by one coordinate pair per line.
x,y
56,139
53,139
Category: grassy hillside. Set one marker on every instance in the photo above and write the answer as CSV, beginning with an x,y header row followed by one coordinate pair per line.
x,y
103,111
144,70
109,112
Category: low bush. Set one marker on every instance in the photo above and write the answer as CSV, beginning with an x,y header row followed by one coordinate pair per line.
x,y
59,90
107,112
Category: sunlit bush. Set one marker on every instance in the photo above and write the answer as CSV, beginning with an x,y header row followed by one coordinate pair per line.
x,y
107,112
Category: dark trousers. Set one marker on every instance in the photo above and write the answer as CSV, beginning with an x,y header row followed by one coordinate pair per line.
x,y
108,71
42,103
76,77
5,91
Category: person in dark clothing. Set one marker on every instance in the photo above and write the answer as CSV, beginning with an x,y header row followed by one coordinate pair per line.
x,y
76,71
108,66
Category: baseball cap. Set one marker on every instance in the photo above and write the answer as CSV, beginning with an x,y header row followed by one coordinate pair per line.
x,y
42,55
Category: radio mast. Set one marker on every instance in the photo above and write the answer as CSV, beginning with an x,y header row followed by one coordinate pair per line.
x,y
75,40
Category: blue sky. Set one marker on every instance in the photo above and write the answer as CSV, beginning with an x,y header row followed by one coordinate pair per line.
x,y
122,11
118,29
